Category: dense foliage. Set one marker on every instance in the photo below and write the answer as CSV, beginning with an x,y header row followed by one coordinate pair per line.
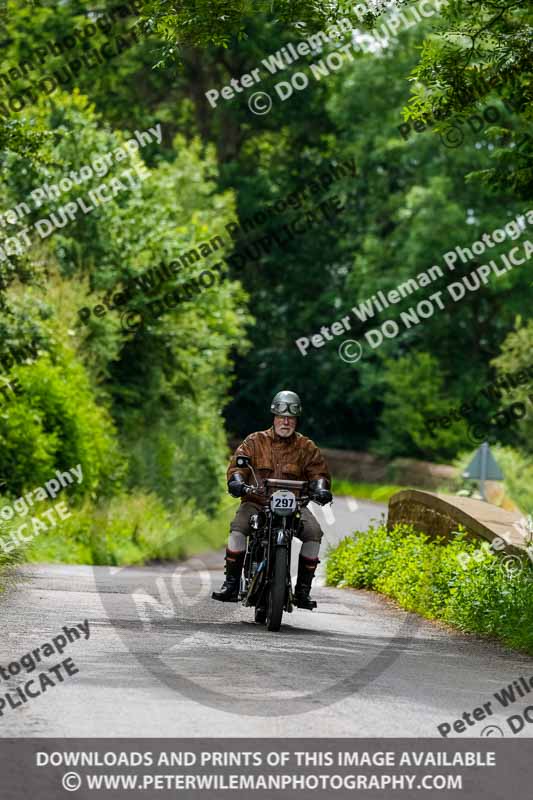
x,y
146,411
476,594
479,42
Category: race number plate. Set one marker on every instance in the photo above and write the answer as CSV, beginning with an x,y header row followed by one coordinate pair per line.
x,y
283,503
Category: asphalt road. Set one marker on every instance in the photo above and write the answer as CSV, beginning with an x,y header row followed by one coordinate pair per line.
x,y
163,659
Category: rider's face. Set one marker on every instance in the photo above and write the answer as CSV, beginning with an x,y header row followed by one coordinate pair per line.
x,y
285,426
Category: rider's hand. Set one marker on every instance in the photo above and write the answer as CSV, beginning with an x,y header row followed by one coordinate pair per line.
x,y
319,492
237,486
322,497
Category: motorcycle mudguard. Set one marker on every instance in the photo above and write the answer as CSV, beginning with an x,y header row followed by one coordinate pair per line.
x,y
282,538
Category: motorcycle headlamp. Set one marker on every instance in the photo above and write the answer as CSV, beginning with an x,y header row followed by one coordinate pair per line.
x,y
257,520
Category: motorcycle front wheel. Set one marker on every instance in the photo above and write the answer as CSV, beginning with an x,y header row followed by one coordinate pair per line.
x,y
278,588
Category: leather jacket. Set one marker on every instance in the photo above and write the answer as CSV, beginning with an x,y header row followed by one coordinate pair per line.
x,y
294,458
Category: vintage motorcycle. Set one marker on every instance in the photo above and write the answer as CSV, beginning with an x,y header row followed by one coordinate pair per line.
x,y
266,576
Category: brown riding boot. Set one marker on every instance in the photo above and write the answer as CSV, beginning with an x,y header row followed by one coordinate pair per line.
x,y
229,591
306,573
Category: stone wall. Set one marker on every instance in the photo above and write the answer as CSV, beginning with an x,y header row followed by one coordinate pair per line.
x,y
439,515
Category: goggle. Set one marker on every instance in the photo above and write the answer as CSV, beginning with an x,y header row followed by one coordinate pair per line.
x,y
284,408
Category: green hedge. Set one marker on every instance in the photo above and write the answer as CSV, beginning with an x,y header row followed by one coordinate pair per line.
x,y
56,423
8,558
378,492
427,576
131,528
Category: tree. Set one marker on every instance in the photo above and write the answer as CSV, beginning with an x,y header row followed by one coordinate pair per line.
x,y
516,358
414,394
202,22
165,384
482,49
405,208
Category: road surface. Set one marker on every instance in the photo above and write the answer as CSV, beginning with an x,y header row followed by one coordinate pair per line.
x,y
163,659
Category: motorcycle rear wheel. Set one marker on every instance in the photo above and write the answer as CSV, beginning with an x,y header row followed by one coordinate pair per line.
x,y
278,588
260,615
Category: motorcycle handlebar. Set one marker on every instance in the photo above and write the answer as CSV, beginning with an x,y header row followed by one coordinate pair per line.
x,y
261,490
253,489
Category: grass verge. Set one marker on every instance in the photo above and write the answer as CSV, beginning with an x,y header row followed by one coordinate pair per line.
x,y
428,577
128,529
380,493
8,560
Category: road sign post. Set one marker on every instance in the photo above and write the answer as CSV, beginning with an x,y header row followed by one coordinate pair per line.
x,y
483,467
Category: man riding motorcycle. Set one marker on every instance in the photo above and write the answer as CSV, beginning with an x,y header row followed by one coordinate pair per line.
x,y
278,452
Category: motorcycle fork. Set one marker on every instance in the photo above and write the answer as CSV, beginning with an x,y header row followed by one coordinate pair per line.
x,y
287,544
247,577
289,579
